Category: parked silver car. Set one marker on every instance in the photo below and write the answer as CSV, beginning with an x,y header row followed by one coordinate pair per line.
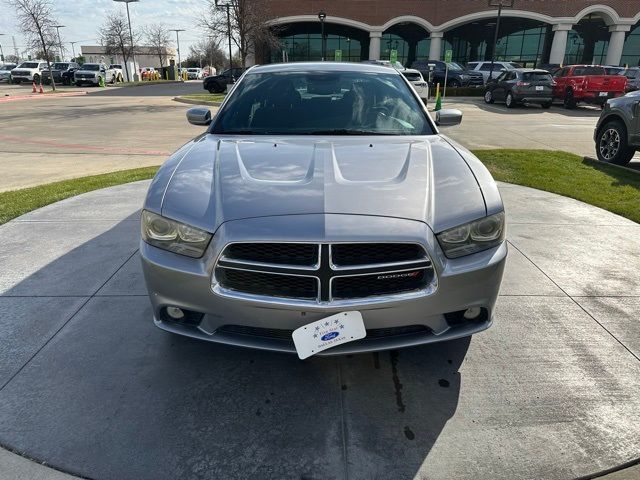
x,y
323,190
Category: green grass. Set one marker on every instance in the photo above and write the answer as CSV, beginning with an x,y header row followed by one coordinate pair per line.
x,y
605,186
205,97
17,202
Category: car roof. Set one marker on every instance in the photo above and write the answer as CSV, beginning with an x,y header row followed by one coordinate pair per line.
x,y
410,70
321,67
529,70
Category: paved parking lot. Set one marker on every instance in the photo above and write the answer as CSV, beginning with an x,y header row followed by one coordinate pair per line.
x,y
110,129
89,385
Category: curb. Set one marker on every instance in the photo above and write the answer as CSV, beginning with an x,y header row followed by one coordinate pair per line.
x,y
196,102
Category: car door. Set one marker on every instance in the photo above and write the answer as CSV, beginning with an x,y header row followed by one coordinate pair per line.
x,y
500,83
560,78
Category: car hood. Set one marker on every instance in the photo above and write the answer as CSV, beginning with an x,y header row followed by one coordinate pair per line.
x,y
215,180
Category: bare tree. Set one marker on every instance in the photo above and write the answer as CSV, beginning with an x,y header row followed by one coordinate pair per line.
x,y
207,51
248,25
114,36
37,22
158,39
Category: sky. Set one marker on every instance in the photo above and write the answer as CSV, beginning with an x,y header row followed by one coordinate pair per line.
x,y
83,19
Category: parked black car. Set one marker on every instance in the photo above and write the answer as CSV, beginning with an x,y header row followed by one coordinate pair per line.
x,y
218,83
617,133
633,79
522,85
59,69
456,77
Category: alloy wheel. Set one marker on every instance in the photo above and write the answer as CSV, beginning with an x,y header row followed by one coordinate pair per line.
x,y
609,144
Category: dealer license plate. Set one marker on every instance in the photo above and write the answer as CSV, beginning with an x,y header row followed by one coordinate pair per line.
x,y
603,94
329,332
539,88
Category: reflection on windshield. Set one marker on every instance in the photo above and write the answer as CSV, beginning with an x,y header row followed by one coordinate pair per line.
x,y
454,66
323,103
91,67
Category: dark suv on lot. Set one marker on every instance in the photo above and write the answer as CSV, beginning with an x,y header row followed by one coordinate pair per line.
x,y
617,133
522,85
218,83
457,76
62,72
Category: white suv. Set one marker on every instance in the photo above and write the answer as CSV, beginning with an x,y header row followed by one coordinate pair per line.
x,y
498,67
30,71
91,73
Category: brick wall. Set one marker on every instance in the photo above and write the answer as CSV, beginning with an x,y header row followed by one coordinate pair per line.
x,y
377,12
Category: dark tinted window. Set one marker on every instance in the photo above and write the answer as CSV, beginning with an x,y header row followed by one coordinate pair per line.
x,y
537,77
322,103
581,71
632,73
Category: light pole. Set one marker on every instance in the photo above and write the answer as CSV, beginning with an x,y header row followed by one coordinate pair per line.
x,y
73,48
58,27
228,4
211,37
1,52
133,53
500,4
178,30
321,16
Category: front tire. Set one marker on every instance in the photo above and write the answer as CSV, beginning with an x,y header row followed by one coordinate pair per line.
x,y
78,84
488,97
546,105
611,144
510,101
454,83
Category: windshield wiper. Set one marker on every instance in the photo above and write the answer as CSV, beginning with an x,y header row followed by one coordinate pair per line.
x,y
347,131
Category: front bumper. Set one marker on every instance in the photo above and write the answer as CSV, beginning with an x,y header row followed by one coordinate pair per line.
x,y
472,281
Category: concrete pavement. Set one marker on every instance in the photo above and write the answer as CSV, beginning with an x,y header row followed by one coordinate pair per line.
x,y
90,386
53,139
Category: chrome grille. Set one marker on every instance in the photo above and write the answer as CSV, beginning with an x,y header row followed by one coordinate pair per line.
x,y
312,273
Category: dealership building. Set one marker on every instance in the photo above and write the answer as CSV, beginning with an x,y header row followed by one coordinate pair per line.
x,y
532,32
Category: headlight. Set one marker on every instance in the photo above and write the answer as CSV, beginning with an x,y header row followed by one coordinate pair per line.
x,y
174,236
473,237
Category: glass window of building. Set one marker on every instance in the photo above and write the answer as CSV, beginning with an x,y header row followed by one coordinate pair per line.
x,y
631,51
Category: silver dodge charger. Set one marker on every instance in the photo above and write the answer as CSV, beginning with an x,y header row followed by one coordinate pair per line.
x,y
322,213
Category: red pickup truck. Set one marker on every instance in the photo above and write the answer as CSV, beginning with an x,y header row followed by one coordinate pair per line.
x,y
588,84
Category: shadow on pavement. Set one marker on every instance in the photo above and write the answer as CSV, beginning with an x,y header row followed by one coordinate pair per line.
x,y
620,176
96,390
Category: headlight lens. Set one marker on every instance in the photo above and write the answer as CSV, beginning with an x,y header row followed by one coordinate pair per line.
x,y
473,237
174,236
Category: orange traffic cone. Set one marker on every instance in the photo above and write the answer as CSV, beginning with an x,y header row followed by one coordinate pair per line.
x,y
41,90
34,88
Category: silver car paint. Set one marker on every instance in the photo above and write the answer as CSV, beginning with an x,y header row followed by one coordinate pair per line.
x,y
322,189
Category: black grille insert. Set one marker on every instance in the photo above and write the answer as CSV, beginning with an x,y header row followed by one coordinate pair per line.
x,y
280,334
351,254
279,253
360,286
273,285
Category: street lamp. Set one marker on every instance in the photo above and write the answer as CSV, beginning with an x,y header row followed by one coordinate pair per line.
x,y
228,4
133,53
211,38
73,49
321,16
58,27
500,4
178,30
1,52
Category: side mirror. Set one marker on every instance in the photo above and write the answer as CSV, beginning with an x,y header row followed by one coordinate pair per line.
x,y
199,116
448,118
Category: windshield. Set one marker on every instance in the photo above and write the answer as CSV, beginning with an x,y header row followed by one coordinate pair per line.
x,y
94,67
537,77
9,66
322,103
515,65
454,66
632,73
192,69
29,65
60,66
115,65
581,71
413,76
